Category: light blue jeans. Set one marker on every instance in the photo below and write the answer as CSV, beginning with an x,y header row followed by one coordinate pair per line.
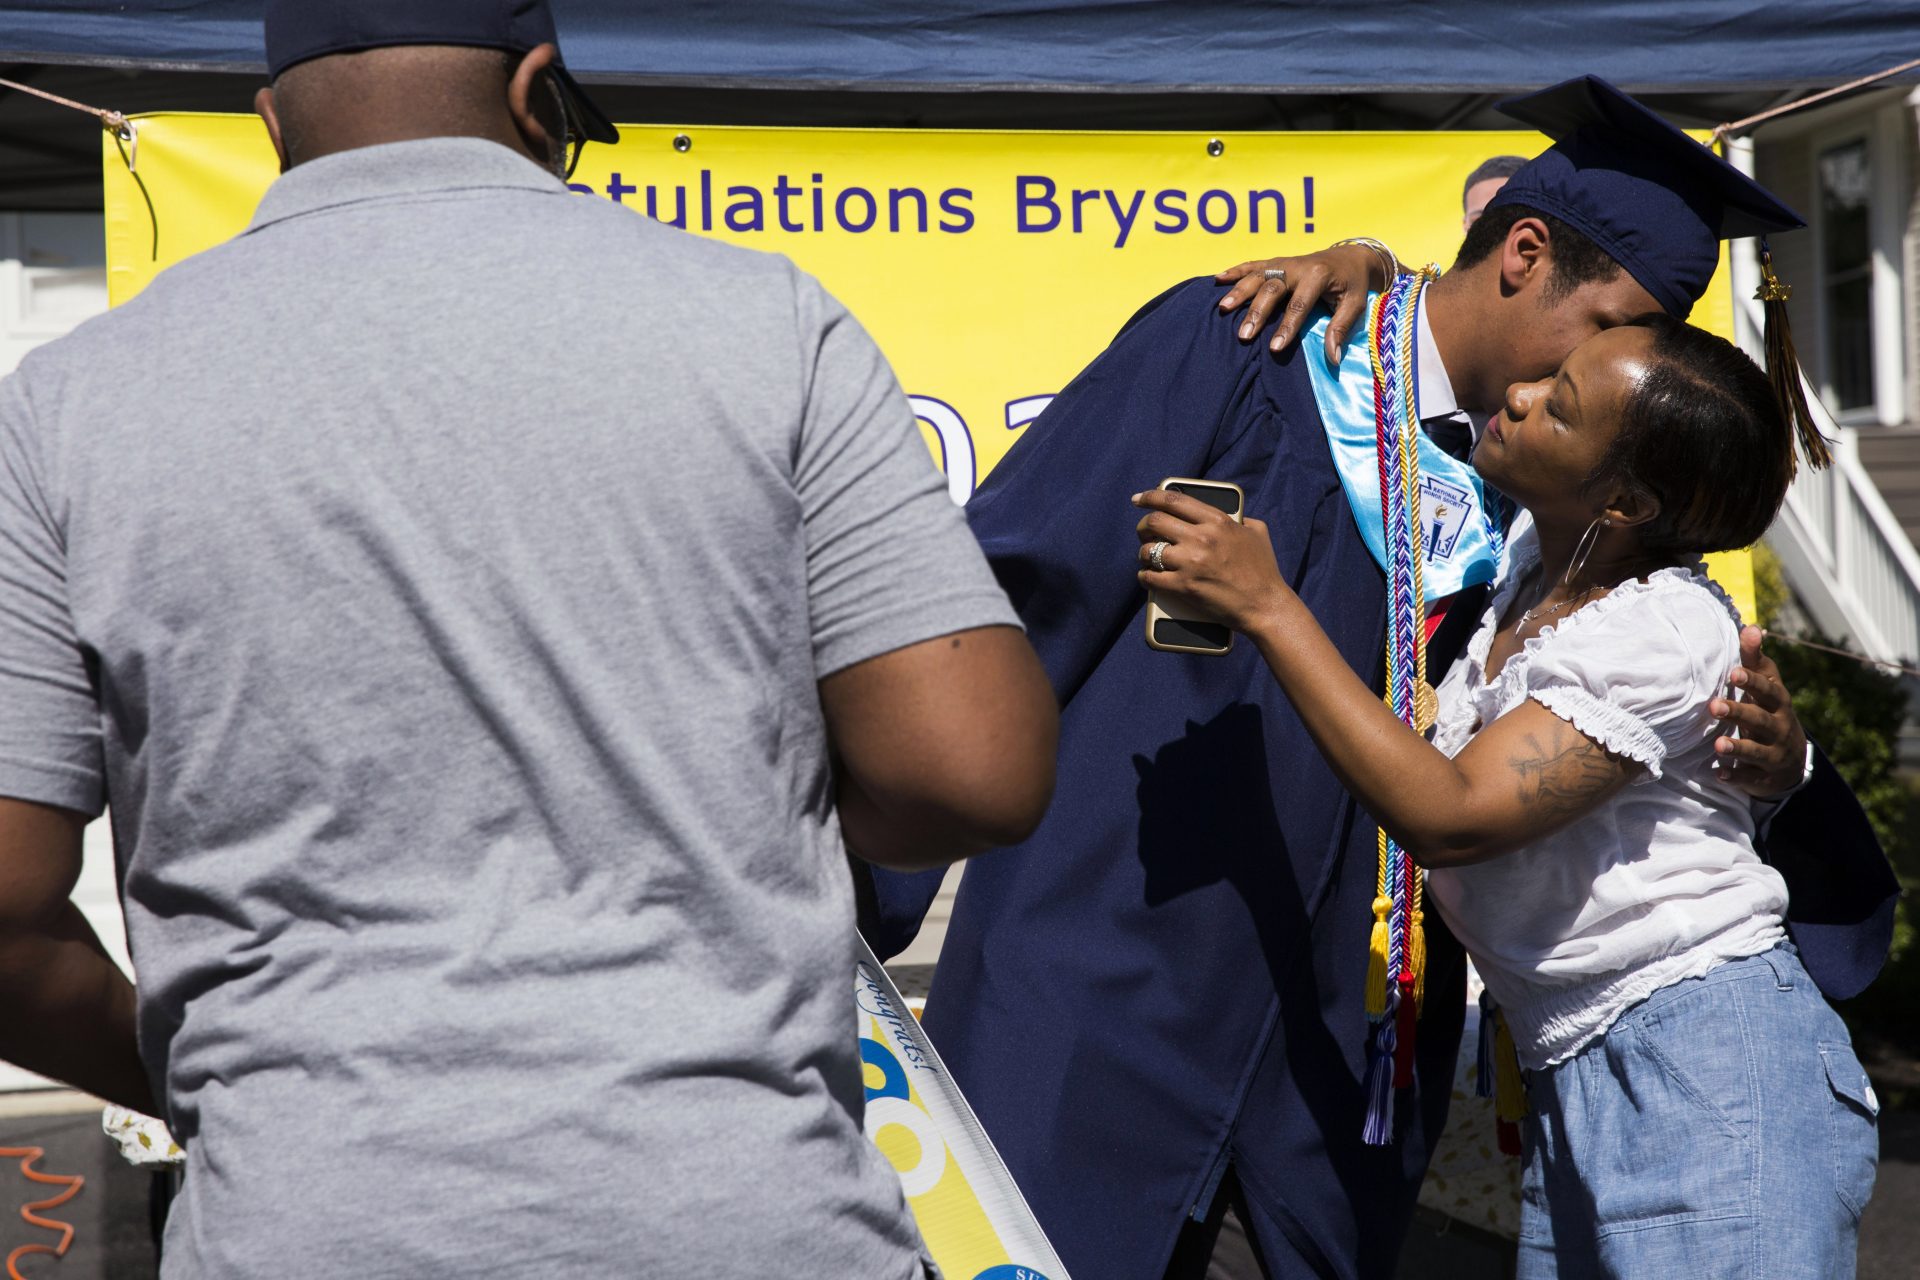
x,y
1721,1128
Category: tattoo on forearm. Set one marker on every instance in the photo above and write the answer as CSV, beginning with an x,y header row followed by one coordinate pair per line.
x,y
1563,775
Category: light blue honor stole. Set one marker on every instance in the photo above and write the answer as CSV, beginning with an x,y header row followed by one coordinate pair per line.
x,y
1461,543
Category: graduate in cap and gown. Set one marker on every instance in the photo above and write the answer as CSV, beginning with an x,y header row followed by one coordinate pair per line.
x,y
1169,1001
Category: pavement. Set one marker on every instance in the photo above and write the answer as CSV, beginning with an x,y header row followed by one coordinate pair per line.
x,y
113,1236
113,1239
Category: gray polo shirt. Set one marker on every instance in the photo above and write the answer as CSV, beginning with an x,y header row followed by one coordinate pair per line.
x,y
437,579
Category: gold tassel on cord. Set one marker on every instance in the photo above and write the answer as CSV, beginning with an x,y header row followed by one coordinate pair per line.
x,y
1783,366
1377,959
1417,956
1509,1091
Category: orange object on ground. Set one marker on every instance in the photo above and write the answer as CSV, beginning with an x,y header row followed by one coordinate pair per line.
x,y
72,1182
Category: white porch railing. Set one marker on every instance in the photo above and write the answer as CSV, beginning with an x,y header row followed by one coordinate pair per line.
x,y
1845,555
1848,559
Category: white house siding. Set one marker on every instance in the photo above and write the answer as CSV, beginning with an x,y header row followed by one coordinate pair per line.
x,y
1787,169
1910,254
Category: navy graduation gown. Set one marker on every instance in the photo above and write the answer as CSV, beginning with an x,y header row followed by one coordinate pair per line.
x,y
1169,975
1841,890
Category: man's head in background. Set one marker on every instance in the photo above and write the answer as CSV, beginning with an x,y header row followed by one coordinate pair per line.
x,y
357,73
1483,184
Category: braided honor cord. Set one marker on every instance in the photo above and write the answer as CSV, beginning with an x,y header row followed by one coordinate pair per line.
x,y
1397,950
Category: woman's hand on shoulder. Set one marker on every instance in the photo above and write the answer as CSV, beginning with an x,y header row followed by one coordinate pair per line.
x,y
1341,276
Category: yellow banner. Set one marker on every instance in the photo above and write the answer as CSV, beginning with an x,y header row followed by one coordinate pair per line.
x,y
989,265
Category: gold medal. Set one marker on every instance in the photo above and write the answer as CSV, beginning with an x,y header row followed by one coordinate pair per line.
x,y
1426,706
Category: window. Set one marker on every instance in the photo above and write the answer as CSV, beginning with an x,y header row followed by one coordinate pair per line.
x,y
1846,259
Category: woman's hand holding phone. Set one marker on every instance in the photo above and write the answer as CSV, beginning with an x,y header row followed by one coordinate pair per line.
x,y
1223,566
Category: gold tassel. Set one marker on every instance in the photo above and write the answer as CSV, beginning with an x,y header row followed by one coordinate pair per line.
x,y
1509,1091
1417,957
1783,366
1377,959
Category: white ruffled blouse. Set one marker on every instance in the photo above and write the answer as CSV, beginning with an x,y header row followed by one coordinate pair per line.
x,y
1660,883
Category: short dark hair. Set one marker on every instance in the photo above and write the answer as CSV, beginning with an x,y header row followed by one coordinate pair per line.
x,y
1491,167
1703,433
1576,259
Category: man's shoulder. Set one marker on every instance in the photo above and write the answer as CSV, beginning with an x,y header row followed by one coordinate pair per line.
x,y
1192,308
1187,303
589,235
111,345
1184,325
597,226
99,347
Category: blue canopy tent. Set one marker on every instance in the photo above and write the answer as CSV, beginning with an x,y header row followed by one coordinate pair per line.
x,y
1081,64
1210,46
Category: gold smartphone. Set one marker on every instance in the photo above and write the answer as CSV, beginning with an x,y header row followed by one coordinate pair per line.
x,y
1176,627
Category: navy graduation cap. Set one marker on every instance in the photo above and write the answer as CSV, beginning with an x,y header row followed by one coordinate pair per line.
x,y
1655,200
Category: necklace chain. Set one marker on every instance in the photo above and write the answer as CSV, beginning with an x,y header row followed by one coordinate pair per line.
x,y
1580,597
1528,615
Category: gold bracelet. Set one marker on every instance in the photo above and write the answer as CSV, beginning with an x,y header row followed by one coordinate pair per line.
x,y
1387,257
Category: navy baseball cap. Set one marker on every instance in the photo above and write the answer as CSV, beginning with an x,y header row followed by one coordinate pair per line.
x,y
301,29
1655,201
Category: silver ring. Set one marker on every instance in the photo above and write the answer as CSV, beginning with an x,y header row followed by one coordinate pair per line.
x,y
1274,273
1153,556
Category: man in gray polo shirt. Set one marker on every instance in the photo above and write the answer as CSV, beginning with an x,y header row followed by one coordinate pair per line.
x,y
487,657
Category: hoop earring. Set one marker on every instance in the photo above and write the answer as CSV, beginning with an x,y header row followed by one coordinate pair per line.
x,y
1583,550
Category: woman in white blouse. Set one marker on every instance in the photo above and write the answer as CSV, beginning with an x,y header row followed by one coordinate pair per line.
x,y
1697,1109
